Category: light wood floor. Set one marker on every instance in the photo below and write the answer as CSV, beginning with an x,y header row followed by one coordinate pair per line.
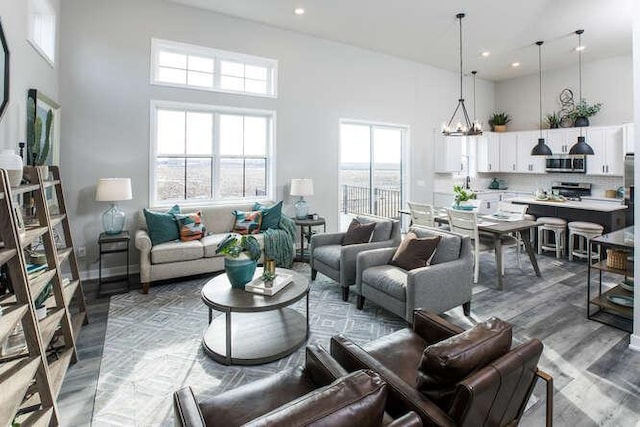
x,y
597,377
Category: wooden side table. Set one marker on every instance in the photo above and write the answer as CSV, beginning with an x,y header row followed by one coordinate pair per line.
x,y
113,244
308,224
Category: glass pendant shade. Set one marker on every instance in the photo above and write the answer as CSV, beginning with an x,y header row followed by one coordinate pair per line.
x,y
113,220
581,147
541,149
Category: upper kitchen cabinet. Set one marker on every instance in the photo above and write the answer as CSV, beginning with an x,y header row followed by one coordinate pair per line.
x,y
488,152
608,149
628,137
449,153
526,163
561,140
509,152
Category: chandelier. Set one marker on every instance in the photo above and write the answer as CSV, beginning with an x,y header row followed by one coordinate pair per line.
x,y
461,128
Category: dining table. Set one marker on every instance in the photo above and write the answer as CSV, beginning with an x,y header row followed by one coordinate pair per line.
x,y
496,226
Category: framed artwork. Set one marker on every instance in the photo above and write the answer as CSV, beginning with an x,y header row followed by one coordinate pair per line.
x,y
43,129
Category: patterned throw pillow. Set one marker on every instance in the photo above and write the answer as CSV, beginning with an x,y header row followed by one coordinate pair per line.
x,y
191,226
247,222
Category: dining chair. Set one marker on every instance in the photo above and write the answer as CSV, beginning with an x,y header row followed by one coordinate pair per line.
x,y
421,214
466,223
515,212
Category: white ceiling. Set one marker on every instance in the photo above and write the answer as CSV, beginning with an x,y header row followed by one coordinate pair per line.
x,y
427,30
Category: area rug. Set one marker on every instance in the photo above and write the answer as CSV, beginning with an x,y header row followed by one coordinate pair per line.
x,y
153,344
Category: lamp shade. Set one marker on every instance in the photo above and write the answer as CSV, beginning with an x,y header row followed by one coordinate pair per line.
x,y
113,189
581,147
541,149
302,187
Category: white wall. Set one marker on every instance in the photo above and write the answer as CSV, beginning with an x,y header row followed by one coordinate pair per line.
x,y
105,94
607,81
27,70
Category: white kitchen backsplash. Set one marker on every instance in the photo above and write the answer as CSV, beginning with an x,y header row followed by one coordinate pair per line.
x,y
530,182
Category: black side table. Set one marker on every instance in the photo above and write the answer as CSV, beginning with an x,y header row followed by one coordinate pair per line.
x,y
308,224
113,244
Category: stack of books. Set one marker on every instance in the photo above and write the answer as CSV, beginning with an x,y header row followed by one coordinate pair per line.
x,y
35,270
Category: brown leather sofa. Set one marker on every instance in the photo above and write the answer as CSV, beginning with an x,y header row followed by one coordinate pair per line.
x,y
450,377
319,393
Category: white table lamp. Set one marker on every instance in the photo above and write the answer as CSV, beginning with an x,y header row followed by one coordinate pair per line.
x,y
301,187
113,190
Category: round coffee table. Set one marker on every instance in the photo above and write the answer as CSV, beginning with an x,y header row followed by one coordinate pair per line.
x,y
262,328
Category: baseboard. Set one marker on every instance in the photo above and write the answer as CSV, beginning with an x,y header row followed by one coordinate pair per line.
x,y
109,272
635,342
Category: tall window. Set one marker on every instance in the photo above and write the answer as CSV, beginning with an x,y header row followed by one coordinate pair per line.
x,y
197,67
372,168
209,153
42,28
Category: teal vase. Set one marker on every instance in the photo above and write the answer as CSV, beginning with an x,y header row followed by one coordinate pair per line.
x,y
239,271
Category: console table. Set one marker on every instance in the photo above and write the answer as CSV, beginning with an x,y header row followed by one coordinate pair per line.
x,y
606,311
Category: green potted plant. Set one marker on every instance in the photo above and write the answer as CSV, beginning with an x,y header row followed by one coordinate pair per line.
x,y
498,121
582,111
41,310
461,196
241,258
553,120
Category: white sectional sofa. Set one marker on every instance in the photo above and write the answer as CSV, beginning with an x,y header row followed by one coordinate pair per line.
x,y
180,259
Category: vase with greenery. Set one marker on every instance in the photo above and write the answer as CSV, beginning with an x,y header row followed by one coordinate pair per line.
x,y
241,258
498,121
553,120
461,195
582,111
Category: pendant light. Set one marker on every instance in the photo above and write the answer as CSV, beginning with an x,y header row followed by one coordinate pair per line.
x,y
460,128
541,149
580,147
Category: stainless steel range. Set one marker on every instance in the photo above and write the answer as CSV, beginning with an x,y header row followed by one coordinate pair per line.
x,y
572,190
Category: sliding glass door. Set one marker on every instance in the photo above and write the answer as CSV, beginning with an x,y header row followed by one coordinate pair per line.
x,y
371,169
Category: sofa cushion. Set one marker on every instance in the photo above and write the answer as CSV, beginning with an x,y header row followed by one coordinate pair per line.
x,y
415,252
162,226
176,251
358,233
329,254
270,215
388,279
445,363
382,229
448,248
247,222
191,226
357,399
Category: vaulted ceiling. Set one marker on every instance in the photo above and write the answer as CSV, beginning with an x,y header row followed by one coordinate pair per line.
x,y
427,30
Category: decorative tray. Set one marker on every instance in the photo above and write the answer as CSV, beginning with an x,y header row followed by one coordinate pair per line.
x,y
464,208
258,285
621,300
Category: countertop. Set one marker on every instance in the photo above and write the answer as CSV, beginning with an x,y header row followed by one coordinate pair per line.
x,y
591,205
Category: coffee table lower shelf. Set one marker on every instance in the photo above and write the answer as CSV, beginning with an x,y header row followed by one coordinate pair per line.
x,y
256,338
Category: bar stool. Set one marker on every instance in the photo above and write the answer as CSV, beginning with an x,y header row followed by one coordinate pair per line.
x,y
584,231
557,226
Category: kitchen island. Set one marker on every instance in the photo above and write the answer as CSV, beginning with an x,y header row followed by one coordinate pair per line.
x,y
610,215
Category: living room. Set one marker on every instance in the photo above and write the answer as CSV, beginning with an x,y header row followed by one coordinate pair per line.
x,y
103,81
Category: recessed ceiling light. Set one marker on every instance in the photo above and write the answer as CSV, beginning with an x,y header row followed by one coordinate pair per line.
x,y
515,64
579,48
298,11
486,53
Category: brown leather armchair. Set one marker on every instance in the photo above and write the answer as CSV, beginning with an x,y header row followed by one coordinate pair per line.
x,y
319,393
494,392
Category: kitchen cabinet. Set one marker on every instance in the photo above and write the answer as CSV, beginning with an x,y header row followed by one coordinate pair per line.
x,y
526,163
509,152
561,140
449,152
628,138
488,152
608,148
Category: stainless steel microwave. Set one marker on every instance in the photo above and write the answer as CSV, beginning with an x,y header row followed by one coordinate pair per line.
x,y
566,164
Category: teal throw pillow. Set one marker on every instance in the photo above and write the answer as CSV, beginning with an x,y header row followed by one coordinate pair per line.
x,y
162,226
270,215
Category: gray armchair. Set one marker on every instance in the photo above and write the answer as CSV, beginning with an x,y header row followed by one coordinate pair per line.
x,y
338,262
444,284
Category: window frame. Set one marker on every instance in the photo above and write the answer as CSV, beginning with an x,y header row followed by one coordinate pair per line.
x,y
217,55
215,157
42,7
